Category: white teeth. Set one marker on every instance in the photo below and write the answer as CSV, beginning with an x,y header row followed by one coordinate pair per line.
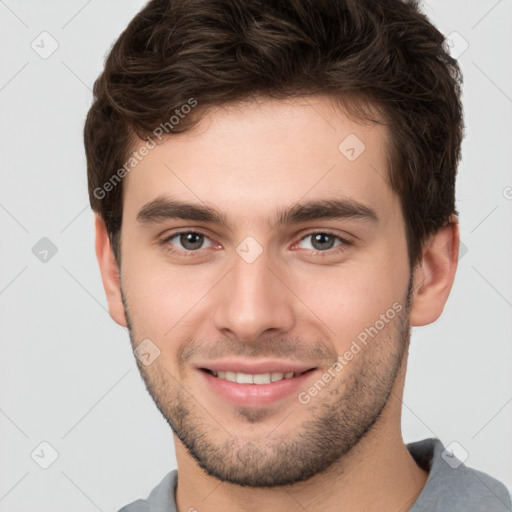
x,y
276,376
262,378
259,378
244,378
231,376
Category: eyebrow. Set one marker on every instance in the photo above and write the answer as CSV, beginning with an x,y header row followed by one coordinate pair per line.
x,y
163,208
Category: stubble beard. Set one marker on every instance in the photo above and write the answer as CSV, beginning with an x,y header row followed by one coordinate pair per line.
x,y
338,418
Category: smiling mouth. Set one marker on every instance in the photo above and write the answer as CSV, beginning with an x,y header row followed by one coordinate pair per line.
x,y
254,378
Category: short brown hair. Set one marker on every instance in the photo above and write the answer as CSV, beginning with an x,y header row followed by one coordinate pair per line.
x,y
383,53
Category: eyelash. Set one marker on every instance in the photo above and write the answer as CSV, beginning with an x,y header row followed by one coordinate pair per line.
x,y
317,253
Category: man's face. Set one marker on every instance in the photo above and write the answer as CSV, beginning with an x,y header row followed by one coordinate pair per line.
x,y
275,302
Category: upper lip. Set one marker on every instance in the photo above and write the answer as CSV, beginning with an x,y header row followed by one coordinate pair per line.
x,y
255,367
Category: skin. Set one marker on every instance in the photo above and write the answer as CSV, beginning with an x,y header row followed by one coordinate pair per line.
x,y
291,303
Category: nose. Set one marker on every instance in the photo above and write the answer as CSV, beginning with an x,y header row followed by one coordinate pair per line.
x,y
253,300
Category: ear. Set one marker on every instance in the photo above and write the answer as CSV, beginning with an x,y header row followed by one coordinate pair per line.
x,y
109,273
434,275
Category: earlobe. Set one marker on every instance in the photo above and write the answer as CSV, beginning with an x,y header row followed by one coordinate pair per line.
x,y
109,273
434,276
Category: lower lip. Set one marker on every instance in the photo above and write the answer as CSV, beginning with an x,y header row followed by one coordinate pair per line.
x,y
247,395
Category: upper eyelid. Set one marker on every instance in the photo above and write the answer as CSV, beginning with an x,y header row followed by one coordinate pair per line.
x,y
345,241
327,232
167,238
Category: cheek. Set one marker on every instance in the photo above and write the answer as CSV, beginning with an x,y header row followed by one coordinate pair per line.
x,y
352,297
162,297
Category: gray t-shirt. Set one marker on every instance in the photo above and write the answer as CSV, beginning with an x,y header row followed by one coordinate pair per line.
x,y
451,486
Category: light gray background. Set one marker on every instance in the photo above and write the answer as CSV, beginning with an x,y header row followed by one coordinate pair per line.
x,y
67,374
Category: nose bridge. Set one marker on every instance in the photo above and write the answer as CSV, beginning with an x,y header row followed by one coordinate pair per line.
x,y
252,299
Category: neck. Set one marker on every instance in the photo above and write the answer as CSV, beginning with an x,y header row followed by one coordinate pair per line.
x,y
378,474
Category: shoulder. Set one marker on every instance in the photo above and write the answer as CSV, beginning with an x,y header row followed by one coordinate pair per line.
x,y
451,485
160,499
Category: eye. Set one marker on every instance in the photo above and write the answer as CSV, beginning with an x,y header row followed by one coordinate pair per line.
x,y
190,241
323,241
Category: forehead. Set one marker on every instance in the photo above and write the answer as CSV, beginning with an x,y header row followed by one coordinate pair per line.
x,y
253,157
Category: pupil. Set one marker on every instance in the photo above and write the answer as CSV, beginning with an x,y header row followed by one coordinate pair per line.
x,y
187,240
321,238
